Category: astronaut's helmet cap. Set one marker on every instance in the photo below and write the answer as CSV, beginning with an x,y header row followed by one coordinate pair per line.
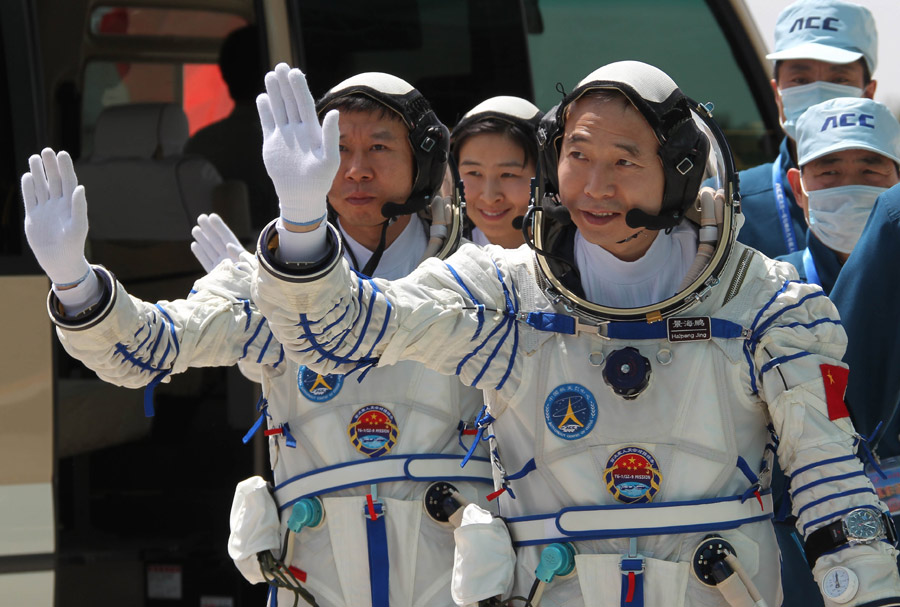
x,y
512,109
428,136
637,80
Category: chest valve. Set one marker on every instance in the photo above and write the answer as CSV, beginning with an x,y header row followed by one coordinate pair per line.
x,y
627,372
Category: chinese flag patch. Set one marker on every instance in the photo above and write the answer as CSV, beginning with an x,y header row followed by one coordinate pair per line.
x,y
835,379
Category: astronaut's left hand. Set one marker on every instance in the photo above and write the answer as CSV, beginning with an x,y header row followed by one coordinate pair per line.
x,y
301,157
214,242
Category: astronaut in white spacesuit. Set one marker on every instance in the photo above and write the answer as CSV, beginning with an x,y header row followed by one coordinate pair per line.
x,y
639,366
366,465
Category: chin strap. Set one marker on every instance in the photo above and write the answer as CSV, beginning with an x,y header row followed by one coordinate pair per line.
x,y
379,250
630,238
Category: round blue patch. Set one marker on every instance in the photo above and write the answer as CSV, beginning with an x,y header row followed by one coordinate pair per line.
x,y
570,411
318,388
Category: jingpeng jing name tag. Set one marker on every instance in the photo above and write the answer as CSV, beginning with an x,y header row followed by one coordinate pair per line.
x,y
684,328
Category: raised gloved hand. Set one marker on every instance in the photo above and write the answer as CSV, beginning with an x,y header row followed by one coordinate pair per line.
x,y
214,242
56,222
301,157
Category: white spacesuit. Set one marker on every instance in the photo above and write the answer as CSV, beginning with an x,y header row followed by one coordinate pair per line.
x,y
371,458
628,434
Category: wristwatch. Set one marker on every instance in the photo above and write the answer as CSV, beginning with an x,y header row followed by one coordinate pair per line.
x,y
860,526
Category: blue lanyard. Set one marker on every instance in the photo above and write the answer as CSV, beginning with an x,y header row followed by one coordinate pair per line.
x,y
781,204
812,275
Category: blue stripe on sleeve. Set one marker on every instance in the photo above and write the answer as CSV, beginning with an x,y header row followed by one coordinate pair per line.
x,y
478,305
468,356
829,479
387,318
132,359
781,359
834,496
149,335
248,313
255,333
810,325
509,322
763,309
758,333
171,325
752,366
155,344
824,462
265,347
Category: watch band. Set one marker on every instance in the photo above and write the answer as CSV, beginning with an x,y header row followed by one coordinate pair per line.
x,y
832,536
824,539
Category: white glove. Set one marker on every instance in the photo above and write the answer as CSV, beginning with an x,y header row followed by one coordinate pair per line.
x,y
254,527
214,242
56,217
483,559
301,157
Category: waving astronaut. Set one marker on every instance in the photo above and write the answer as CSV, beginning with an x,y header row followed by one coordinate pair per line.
x,y
639,367
366,465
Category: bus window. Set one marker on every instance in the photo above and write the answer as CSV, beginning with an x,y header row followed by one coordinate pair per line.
x,y
456,52
198,87
155,22
579,36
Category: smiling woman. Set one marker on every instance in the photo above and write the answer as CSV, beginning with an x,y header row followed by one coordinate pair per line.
x,y
495,148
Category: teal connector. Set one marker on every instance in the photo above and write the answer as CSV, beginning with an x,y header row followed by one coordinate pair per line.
x,y
556,560
305,513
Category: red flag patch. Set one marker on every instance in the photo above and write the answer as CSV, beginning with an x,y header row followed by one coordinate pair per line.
x,y
835,380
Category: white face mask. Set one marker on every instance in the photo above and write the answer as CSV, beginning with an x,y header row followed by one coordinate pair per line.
x,y
837,216
797,99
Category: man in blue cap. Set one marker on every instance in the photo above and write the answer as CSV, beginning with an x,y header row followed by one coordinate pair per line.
x,y
848,150
823,49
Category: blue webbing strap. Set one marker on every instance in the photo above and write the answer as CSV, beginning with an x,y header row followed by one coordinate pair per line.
x,y
149,410
483,420
262,405
253,429
379,565
562,323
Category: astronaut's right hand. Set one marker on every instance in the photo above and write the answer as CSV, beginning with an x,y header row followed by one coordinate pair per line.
x,y
56,222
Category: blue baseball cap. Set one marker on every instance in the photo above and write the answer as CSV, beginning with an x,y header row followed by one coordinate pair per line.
x,y
847,123
826,30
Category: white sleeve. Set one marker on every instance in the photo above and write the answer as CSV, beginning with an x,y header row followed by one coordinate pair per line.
x,y
130,342
457,316
796,348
